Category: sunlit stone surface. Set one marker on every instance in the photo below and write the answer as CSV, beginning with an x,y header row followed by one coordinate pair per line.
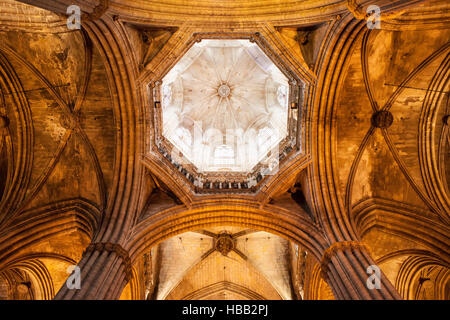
x,y
225,105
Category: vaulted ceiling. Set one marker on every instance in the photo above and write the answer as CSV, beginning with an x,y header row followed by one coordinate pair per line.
x,y
79,161
225,105
193,261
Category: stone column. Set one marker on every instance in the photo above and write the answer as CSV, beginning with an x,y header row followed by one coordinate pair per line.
x,y
105,269
353,275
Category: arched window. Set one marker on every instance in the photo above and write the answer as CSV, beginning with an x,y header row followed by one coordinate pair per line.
x,y
265,138
282,96
223,155
166,95
183,139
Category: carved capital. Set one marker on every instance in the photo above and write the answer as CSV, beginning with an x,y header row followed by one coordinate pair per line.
x,y
334,248
117,249
98,11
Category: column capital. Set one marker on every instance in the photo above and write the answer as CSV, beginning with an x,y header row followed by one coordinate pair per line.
x,y
117,249
339,246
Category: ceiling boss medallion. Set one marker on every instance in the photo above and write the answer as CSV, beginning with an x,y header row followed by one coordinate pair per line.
x,y
225,114
382,119
225,243
224,91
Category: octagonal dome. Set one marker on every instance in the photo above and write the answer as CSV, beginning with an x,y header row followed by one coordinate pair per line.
x,y
225,105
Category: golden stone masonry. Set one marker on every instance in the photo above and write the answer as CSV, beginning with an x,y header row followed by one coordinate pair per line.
x,y
224,150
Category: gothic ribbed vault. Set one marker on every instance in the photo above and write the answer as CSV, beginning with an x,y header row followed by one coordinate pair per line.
x,y
89,174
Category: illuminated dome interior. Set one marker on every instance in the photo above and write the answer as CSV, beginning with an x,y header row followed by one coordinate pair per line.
x,y
225,105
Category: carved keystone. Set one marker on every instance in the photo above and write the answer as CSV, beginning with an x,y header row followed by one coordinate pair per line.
x,y
382,119
224,243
